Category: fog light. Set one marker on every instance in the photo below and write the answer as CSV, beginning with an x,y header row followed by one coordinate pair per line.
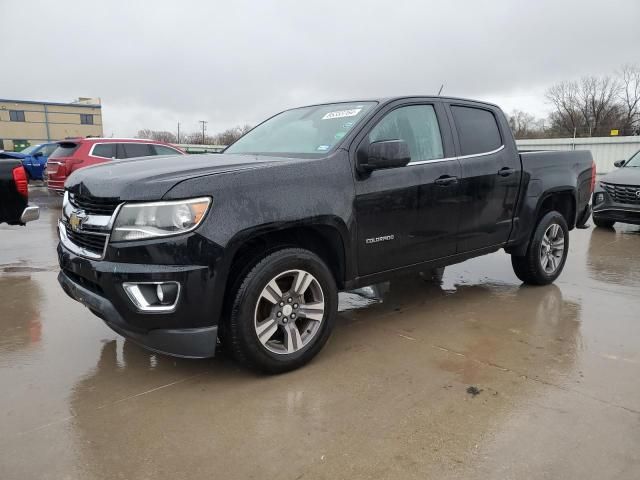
x,y
153,296
599,198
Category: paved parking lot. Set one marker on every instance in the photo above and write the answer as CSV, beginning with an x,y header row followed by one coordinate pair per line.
x,y
478,377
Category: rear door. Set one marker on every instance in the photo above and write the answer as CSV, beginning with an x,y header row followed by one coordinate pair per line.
x,y
408,215
490,177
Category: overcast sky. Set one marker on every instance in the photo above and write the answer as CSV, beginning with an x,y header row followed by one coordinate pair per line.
x,y
231,62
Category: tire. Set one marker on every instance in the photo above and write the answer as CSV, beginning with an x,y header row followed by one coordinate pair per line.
x,y
532,268
599,222
281,286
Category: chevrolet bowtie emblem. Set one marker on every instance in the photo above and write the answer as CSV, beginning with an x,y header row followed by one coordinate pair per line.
x,y
77,219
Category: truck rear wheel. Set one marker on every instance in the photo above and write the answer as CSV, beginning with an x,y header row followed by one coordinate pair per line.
x,y
283,311
547,252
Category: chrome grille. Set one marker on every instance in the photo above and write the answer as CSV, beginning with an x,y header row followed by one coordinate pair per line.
x,y
623,193
90,241
93,205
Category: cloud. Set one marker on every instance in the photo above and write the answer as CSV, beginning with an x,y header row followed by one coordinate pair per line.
x,y
154,64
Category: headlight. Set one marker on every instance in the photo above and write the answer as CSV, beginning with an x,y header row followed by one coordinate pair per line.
x,y
138,221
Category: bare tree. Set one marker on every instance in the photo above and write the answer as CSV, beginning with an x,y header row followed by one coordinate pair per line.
x,y
522,124
629,97
224,138
232,134
598,105
566,116
589,107
158,136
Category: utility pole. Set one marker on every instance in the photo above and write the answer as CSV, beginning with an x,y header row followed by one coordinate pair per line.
x,y
178,132
204,126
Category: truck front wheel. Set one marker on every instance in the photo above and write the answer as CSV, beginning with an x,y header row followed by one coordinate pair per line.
x,y
547,251
283,311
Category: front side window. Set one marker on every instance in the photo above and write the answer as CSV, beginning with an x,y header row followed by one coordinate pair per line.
x,y
16,115
477,130
86,119
164,150
311,131
634,161
417,125
104,150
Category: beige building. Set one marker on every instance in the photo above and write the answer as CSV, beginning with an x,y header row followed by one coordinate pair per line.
x,y
25,122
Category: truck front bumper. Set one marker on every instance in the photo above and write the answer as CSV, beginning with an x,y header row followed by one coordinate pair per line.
x,y
188,327
183,342
616,214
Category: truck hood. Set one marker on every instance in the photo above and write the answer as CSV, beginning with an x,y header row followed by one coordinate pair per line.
x,y
149,178
623,176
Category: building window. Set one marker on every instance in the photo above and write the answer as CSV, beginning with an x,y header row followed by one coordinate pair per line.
x,y
86,119
16,115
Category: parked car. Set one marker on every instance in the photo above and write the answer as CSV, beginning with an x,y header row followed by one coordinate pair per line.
x,y
74,154
617,195
34,159
14,192
252,245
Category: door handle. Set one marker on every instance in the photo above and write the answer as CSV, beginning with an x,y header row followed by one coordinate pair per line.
x,y
506,171
446,180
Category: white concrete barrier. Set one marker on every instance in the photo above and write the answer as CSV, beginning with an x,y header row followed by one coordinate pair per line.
x,y
605,150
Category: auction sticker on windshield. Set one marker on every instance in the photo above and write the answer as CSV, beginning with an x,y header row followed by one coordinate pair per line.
x,y
342,113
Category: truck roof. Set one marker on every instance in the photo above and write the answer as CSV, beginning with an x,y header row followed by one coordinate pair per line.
x,y
382,100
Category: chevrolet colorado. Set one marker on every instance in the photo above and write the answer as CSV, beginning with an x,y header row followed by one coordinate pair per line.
x,y
251,246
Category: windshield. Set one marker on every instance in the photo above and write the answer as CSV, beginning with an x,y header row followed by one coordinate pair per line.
x,y
634,161
30,150
309,130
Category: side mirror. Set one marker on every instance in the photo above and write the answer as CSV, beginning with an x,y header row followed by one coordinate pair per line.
x,y
620,163
386,154
38,154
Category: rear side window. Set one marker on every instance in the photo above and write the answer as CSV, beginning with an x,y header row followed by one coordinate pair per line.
x,y
164,150
65,149
137,150
417,125
104,150
477,130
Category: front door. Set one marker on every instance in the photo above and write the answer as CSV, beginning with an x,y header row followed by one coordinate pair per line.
x,y
409,214
489,182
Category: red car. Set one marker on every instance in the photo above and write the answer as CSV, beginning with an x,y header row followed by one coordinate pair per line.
x,y
76,153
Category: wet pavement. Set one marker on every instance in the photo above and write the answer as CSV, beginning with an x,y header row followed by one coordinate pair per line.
x,y
478,376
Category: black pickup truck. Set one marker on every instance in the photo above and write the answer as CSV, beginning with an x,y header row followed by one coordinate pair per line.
x,y
250,247
14,193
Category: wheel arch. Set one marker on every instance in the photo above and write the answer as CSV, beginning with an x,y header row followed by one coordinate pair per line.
x,y
560,199
327,237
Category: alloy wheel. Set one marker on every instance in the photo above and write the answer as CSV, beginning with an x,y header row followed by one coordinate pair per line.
x,y
289,312
552,248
